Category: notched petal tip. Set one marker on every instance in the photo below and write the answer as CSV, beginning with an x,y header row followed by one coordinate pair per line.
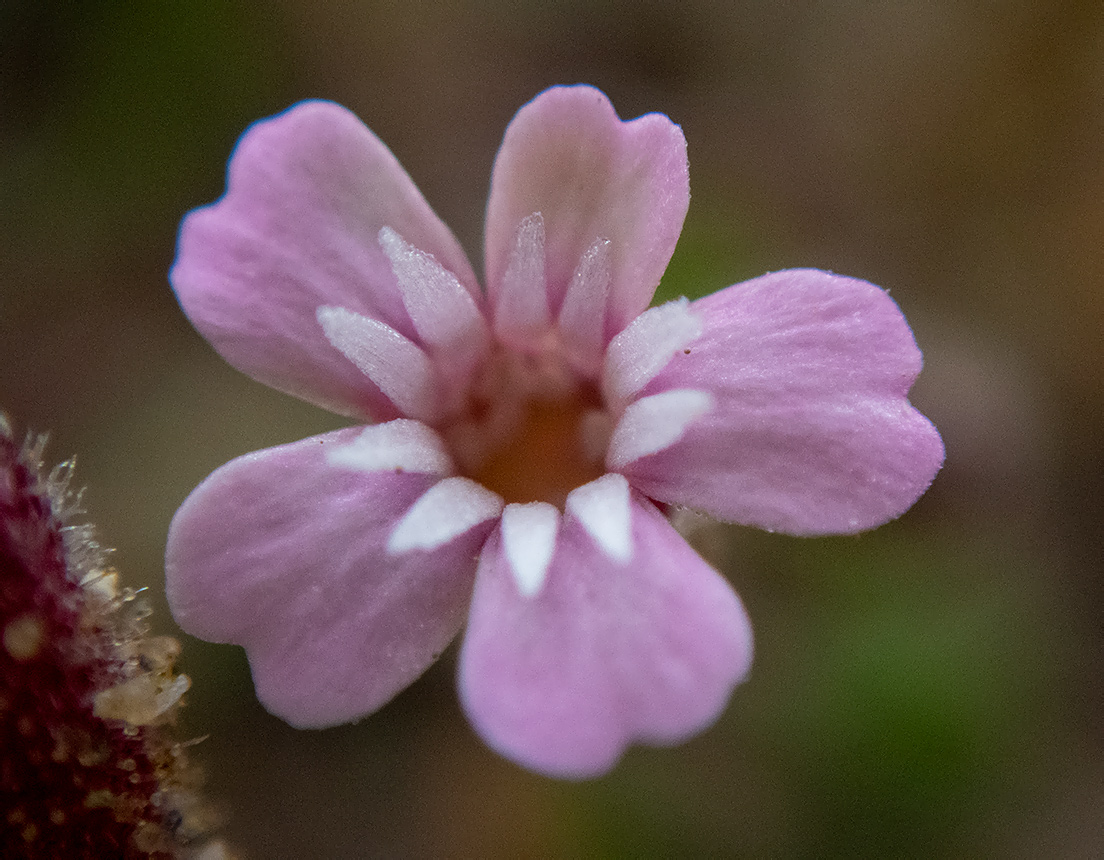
x,y
811,431
306,190
609,654
285,555
569,156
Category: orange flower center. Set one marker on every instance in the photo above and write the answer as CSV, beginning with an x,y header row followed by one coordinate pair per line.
x,y
532,430
546,458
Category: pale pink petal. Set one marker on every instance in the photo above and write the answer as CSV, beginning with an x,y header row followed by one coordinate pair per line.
x,y
285,553
607,653
592,177
308,192
810,431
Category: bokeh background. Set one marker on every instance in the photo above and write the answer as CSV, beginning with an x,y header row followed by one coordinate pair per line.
x,y
931,689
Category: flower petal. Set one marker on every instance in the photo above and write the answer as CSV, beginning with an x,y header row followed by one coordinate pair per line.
x,y
521,304
448,509
607,653
646,346
397,365
529,539
582,319
401,445
308,192
443,312
604,510
811,431
653,423
284,553
592,177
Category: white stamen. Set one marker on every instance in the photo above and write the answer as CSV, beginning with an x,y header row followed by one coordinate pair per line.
x,y
397,365
529,541
399,445
637,355
583,313
521,306
446,510
442,310
654,423
602,507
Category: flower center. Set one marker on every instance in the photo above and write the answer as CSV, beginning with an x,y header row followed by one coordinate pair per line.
x,y
547,455
531,429
515,396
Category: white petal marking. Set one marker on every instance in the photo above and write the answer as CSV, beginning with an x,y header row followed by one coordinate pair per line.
x,y
521,305
442,310
401,445
583,312
654,423
529,541
397,365
645,347
446,510
602,506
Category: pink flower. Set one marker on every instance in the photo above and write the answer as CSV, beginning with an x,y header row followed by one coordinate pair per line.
x,y
526,432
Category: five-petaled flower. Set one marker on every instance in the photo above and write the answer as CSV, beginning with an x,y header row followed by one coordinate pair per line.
x,y
525,435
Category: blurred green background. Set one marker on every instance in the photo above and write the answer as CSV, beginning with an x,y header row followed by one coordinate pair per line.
x,y
931,689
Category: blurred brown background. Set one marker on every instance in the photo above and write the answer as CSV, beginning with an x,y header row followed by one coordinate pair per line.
x,y
931,689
